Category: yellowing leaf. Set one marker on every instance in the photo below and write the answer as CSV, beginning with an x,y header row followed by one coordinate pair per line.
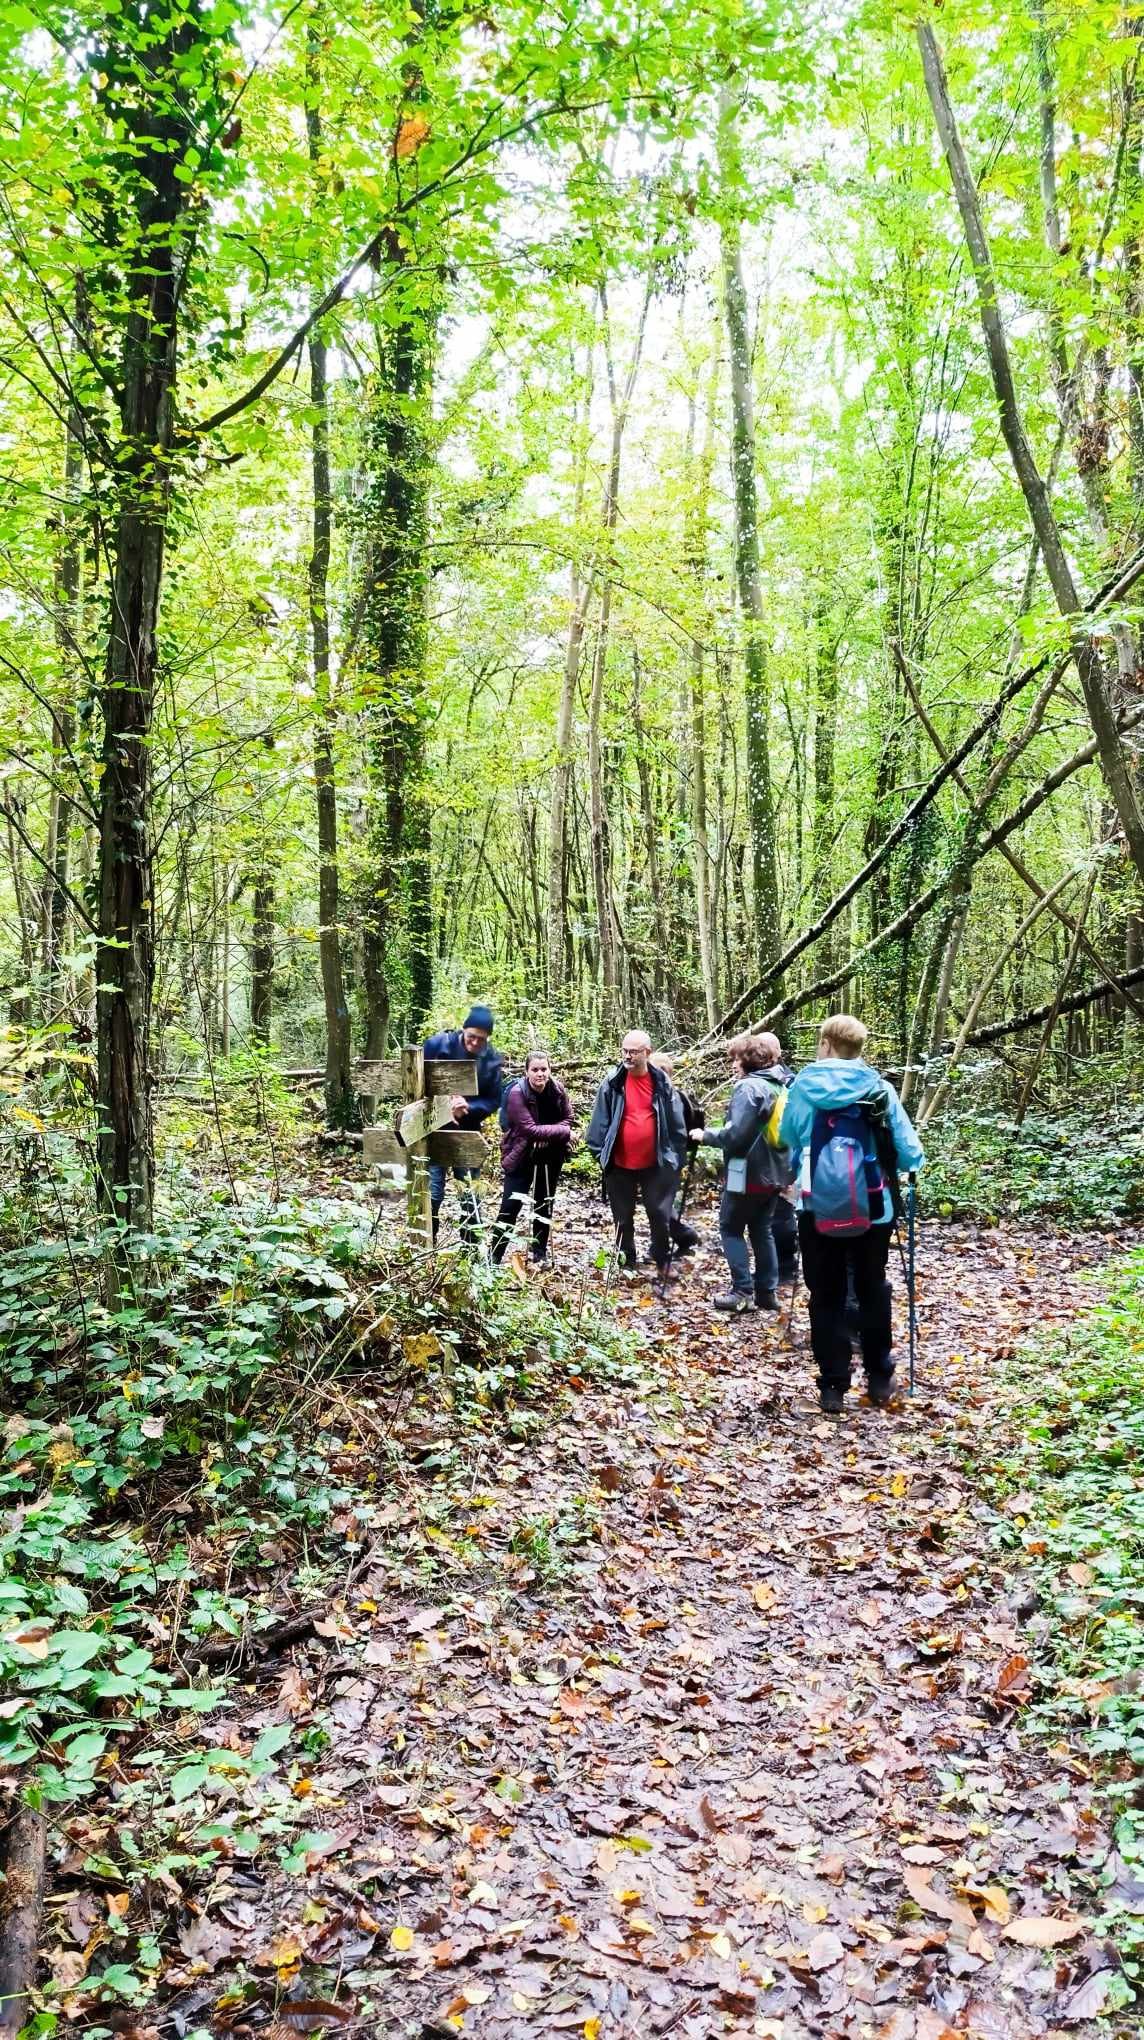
x,y
410,136
721,1947
421,1347
1039,1930
401,1938
764,1597
591,2029
638,1923
996,1902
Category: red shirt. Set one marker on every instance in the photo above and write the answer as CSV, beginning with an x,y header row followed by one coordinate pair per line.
x,y
635,1142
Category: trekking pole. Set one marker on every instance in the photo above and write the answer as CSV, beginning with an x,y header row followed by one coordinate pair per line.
x,y
684,1187
911,1237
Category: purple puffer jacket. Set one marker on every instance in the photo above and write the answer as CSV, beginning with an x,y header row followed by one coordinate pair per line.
x,y
537,1122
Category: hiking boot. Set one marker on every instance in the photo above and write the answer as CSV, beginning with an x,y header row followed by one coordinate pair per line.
x,y
733,1299
832,1400
667,1271
767,1300
880,1389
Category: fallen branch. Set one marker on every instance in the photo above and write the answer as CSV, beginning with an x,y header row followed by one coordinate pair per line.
x,y
1112,591
917,909
999,1030
238,1650
24,1853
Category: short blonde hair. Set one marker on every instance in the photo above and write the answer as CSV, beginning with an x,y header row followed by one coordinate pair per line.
x,y
844,1034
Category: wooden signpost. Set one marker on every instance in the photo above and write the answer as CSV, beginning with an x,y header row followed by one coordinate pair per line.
x,y
424,1130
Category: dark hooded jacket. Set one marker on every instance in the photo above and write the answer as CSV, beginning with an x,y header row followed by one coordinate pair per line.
x,y
539,1123
449,1047
608,1111
768,1168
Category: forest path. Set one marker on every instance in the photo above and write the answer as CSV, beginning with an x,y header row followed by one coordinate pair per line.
x,y
746,1760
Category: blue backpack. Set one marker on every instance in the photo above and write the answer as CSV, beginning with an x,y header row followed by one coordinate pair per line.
x,y
847,1185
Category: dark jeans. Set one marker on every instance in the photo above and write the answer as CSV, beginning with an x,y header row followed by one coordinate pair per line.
x,y
470,1207
536,1178
741,1212
655,1190
826,1263
784,1232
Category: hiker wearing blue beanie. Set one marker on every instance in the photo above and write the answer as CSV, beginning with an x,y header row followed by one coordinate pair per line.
x,y
468,1043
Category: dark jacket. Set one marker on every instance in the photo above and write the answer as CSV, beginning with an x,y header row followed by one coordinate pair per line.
x,y
768,1168
608,1111
448,1047
538,1123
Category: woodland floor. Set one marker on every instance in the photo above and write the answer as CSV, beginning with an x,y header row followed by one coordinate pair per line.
x,y
732,1746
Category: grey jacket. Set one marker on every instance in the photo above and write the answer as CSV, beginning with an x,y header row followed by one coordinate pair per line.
x,y
608,1111
743,1133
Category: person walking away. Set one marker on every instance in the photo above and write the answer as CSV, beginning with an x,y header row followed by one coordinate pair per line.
x,y
784,1226
850,1136
468,1043
637,1135
533,1151
755,1174
684,1238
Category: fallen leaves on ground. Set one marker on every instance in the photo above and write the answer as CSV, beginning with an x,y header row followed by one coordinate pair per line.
x,y
687,1711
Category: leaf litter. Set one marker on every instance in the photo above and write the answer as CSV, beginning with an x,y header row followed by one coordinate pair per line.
x,y
747,1761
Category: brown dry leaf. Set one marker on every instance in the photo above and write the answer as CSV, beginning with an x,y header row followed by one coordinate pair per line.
x,y
1012,1677
611,1479
931,2026
923,1852
733,1848
1080,1574
917,1883
31,1638
1042,1930
824,1951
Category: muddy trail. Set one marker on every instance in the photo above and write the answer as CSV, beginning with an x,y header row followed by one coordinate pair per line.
x,y
691,1711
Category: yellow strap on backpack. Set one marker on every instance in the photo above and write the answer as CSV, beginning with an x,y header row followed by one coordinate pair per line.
x,y
773,1131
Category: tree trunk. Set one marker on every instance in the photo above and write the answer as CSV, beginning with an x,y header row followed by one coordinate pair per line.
x,y
262,957
393,640
697,511
340,1098
69,599
825,734
125,960
1114,763
760,800
579,595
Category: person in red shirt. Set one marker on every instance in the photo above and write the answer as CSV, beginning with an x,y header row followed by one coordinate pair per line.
x,y
638,1136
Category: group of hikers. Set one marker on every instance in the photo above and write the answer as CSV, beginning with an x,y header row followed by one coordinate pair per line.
x,y
810,1169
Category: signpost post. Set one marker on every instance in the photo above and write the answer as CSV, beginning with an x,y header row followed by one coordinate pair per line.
x,y
424,1130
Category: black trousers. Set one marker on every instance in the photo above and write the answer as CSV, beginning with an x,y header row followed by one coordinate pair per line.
x,y
784,1232
537,1178
826,1264
655,1190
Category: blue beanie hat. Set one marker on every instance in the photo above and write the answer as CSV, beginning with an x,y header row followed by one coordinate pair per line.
x,y
479,1016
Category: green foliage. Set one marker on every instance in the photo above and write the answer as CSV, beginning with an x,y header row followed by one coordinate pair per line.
x,y
1081,1160
186,1420
1076,1514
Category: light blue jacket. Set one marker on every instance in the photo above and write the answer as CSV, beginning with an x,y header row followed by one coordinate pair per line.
x,y
823,1086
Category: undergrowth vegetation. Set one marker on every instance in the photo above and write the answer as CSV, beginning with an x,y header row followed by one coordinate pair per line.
x,y
1074,1506
1079,1156
174,1446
